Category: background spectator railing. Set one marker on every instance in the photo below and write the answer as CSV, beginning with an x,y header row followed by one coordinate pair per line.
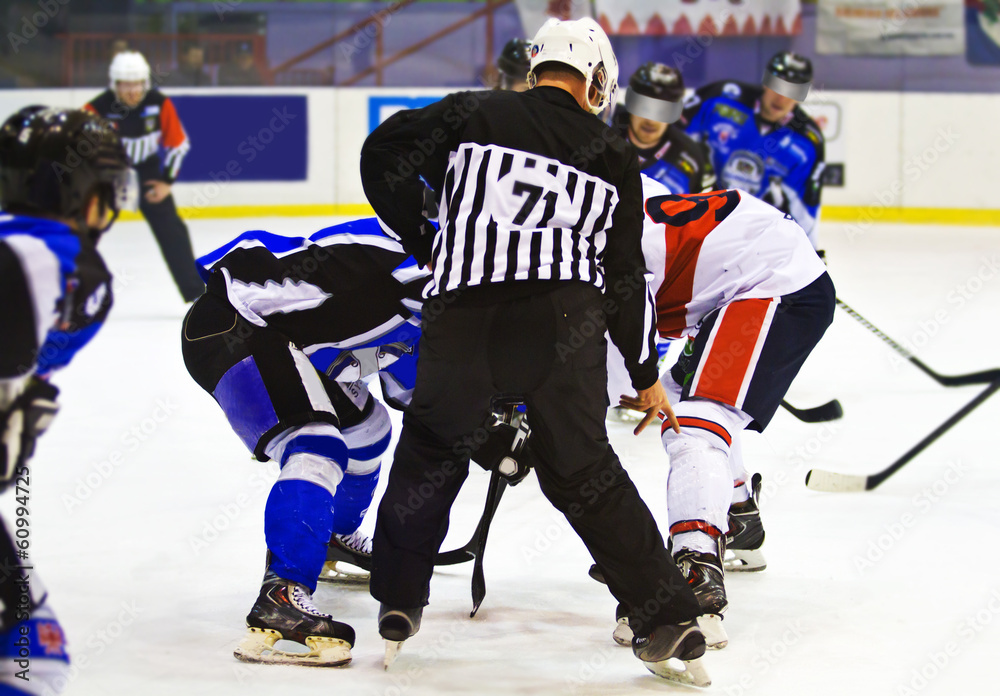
x,y
86,57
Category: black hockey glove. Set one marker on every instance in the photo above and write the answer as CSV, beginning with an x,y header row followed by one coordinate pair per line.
x,y
506,448
22,424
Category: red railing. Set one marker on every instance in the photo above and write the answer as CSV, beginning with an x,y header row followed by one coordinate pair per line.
x,y
86,56
373,27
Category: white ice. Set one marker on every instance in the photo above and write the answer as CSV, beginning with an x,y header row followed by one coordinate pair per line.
x,y
147,515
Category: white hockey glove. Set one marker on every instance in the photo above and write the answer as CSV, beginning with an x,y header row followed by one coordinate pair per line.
x,y
22,424
774,195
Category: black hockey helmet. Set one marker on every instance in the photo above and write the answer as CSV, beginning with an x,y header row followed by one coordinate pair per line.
x,y
53,160
656,92
514,62
789,74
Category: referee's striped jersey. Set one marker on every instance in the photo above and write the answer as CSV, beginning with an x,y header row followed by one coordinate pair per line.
x,y
530,187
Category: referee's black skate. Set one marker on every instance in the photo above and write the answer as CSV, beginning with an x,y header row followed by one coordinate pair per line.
x,y
746,533
684,642
284,611
395,626
348,559
705,575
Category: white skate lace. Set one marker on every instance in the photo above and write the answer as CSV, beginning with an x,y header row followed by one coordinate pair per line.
x,y
302,599
357,542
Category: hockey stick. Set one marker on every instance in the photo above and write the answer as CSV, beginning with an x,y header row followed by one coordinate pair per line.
x,y
983,377
821,480
496,489
468,551
831,410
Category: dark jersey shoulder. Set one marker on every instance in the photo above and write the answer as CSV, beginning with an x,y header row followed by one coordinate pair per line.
x,y
106,103
804,125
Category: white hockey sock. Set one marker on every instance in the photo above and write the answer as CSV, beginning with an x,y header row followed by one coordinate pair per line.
x,y
696,541
741,493
699,486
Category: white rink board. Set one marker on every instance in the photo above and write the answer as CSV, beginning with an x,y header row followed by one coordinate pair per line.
x,y
860,590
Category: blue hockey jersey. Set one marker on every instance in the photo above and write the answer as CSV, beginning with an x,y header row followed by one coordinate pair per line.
x,y
57,290
782,165
349,296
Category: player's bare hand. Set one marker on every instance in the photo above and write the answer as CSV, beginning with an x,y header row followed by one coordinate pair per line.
x,y
156,191
653,402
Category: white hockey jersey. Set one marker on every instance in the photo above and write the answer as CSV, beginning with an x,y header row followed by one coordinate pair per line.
x,y
707,250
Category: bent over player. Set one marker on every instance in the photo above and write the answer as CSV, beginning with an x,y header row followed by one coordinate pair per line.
x,y
156,144
64,176
741,281
281,339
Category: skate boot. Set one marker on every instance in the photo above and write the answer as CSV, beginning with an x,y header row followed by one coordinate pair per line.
x,y
705,575
284,611
623,631
348,559
746,533
684,642
395,626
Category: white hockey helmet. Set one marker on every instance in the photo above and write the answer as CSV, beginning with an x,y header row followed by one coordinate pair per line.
x,y
129,66
582,45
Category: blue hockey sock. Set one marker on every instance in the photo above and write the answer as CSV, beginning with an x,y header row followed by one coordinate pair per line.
x,y
298,522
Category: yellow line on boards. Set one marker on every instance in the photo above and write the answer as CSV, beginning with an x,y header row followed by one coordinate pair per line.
x,y
831,213
256,211
912,216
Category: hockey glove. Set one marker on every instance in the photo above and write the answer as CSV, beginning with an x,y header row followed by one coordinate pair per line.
x,y
22,424
506,448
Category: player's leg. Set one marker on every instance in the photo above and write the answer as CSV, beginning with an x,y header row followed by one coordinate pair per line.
x,y
33,657
174,241
367,430
276,402
745,535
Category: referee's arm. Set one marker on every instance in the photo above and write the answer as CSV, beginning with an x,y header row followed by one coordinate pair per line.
x,y
632,323
408,145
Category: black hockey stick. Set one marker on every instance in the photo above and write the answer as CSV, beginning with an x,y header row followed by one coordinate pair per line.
x,y
469,550
820,480
831,410
496,489
983,377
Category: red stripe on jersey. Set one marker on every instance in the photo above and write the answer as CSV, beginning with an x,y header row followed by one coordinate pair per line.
x,y
687,219
695,526
730,352
710,426
170,124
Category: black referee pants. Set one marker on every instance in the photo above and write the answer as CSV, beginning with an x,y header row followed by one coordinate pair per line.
x,y
549,349
175,243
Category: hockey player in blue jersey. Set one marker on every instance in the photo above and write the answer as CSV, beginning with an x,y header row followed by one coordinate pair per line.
x,y
761,141
282,339
64,176
653,102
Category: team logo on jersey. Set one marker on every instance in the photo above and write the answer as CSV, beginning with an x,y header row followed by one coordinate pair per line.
x,y
723,131
151,123
744,170
732,90
730,114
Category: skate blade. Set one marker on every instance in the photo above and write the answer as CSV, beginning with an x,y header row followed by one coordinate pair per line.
x,y
258,647
745,561
715,634
623,634
693,674
392,648
343,573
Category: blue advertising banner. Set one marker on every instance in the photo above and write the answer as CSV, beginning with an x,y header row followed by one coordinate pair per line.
x,y
245,138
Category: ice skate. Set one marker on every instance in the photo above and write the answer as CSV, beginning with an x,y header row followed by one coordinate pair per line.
x,y
746,533
348,559
669,647
705,576
284,611
623,631
395,626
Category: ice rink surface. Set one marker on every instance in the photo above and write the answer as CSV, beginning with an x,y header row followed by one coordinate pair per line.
x,y
147,515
